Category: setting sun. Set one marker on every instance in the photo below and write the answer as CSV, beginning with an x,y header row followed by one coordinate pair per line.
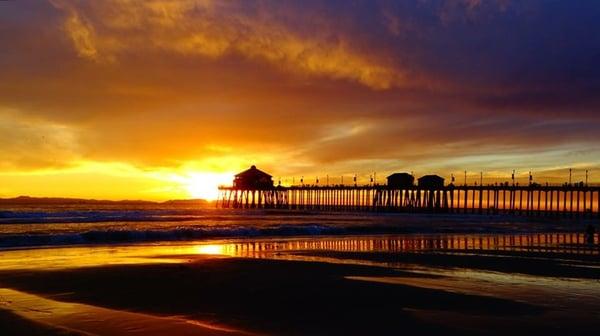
x,y
205,185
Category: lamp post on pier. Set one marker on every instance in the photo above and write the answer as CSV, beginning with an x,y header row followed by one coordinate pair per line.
x,y
570,175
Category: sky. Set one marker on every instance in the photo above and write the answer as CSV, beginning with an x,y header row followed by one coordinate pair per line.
x,y
157,99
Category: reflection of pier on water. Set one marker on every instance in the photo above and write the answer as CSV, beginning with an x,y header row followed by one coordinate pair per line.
x,y
558,243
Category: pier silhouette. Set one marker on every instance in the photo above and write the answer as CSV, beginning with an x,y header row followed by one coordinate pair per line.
x,y
429,195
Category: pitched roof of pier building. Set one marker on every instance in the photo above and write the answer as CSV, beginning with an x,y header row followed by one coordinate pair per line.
x,y
253,178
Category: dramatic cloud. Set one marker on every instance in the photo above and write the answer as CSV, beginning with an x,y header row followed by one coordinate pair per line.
x,y
104,30
299,87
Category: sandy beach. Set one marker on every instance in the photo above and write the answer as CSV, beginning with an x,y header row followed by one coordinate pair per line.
x,y
219,288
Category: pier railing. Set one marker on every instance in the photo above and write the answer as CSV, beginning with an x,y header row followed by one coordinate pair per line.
x,y
523,200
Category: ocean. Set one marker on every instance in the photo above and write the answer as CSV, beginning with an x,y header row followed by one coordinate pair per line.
x,y
23,226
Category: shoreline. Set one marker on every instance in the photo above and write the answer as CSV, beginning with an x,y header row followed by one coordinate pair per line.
x,y
576,243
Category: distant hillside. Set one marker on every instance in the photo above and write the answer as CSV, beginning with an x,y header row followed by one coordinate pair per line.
x,y
21,200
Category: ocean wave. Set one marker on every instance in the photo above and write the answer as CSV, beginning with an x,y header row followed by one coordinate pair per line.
x,y
76,227
176,234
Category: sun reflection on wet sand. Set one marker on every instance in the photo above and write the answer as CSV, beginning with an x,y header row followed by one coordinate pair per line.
x,y
212,249
565,244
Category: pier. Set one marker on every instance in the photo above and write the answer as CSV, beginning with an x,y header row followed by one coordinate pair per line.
x,y
520,200
254,189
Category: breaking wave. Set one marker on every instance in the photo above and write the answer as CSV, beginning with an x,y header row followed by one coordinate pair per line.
x,y
195,233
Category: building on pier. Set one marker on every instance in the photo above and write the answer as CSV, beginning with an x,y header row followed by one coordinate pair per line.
x,y
400,180
253,178
431,181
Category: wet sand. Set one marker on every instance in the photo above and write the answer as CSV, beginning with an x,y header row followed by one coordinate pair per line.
x,y
279,289
558,265
262,296
13,324
92,320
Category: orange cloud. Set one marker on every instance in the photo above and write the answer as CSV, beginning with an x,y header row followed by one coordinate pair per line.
x,y
103,30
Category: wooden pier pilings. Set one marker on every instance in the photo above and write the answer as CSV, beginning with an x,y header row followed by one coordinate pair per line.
x,y
578,201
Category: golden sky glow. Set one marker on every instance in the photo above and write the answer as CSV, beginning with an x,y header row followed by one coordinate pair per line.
x,y
156,99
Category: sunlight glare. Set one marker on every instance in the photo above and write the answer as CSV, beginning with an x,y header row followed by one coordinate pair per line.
x,y
205,185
